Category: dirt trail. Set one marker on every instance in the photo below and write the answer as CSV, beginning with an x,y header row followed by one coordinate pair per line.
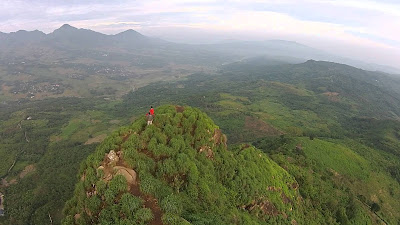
x,y
149,201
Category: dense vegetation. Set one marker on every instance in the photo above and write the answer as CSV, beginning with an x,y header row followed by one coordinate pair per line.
x,y
182,161
333,128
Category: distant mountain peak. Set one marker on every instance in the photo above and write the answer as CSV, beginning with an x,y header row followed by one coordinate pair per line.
x,y
130,32
130,35
31,32
67,26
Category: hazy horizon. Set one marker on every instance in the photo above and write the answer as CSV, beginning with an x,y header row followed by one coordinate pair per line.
x,y
361,30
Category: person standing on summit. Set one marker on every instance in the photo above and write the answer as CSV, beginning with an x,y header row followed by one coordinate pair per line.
x,y
151,111
150,116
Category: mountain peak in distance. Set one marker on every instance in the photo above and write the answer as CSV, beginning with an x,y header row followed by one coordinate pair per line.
x,y
130,34
67,26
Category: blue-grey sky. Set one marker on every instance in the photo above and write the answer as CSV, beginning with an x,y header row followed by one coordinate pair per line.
x,y
362,29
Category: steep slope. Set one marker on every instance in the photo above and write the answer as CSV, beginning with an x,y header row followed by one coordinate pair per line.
x,y
180,171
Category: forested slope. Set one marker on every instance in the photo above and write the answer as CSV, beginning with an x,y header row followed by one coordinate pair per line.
x,y
179,171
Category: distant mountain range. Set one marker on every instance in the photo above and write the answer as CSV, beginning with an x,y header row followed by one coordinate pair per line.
x,y
68,38
72,37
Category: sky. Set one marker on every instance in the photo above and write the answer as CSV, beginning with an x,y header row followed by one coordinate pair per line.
x,y
366,30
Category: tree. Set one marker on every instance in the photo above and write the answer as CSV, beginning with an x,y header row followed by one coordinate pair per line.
x,y
375,207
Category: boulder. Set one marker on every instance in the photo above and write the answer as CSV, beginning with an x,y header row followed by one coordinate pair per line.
x,y
112,156
129,174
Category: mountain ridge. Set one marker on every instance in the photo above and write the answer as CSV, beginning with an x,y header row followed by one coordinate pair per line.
x,y
78,38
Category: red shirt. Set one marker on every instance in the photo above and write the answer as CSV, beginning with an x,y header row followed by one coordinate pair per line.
x,y
152,111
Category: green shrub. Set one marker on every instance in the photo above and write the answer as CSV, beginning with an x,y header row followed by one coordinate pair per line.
x,y
172,204
143,215
118,184
173,219
68,220
93,204
106,217
168,167
109,196
129,204
147,183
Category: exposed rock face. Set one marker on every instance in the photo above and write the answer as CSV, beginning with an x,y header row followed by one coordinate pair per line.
x,y
207,150
110,168
267,207
217,136
112,156
129,174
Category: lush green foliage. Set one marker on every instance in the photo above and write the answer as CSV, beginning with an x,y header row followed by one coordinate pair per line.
x,y
183,162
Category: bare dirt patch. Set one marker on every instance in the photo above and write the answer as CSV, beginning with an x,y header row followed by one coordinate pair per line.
x,y
55,138
149,202
114,121
285,198
333,96
96,139
4,183
95,121
28,169
179,109
12,181
260,128
265,206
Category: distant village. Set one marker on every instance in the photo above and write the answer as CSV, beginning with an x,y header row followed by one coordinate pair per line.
x,y
111,72
32,88
38,86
